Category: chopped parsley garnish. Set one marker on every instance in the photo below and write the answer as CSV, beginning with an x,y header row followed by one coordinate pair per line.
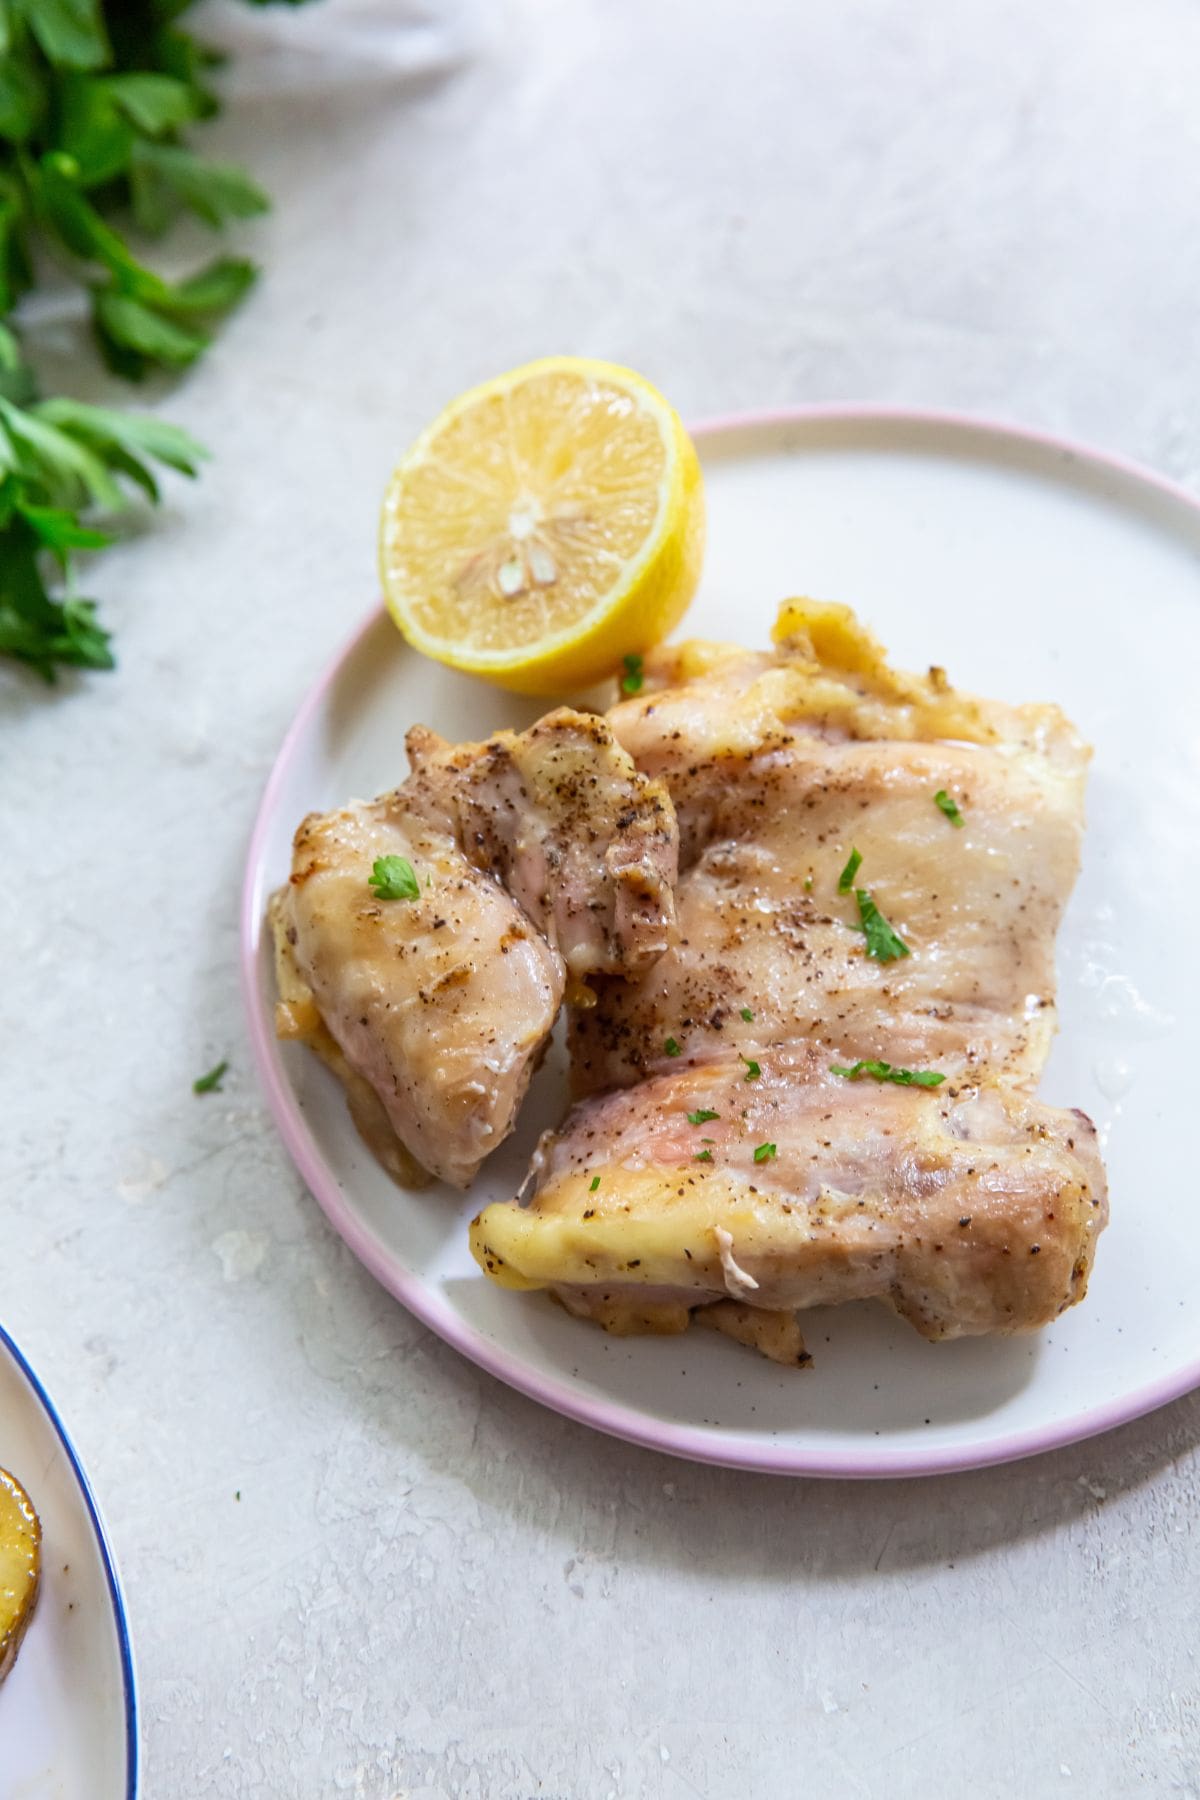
x,y
671,1047
702,1115
884,944
747,1014
394,878
763,1152
595,1183
632,679
808,884
846,878
949,807
210,1083
702,1156
752,1069
883,1071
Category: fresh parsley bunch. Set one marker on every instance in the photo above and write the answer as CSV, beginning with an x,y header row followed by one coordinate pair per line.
x,y
95,101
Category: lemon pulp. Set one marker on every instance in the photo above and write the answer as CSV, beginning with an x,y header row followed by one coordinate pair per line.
x,y
546,524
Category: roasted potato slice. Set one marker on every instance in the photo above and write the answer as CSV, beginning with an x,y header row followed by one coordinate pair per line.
x,y
20,1566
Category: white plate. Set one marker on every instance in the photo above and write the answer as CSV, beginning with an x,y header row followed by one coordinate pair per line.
x,y
1031,569
68,1711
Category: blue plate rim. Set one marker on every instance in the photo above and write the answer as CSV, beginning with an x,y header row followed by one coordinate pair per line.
x,y
115,1593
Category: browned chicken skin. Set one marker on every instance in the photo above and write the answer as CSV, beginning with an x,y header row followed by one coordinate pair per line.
x,y
968,1205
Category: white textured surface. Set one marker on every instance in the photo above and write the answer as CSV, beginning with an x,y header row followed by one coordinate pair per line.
x,y
429,1587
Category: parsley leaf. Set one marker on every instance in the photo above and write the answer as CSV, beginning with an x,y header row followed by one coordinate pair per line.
x,y
52,465
671,1047
594,1184
846,878
883,1071
949,807
764,1152
132,335
210,1083
884,944
703,1156
60,632
61,461
152,103
125,440
394,878
752,1069
747,1014
164,175
70,32
60,530
632,679
702,1115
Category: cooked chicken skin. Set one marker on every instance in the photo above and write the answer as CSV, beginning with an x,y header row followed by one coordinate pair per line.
x,y
772,797
559,816
968,1205
973,1213
539,856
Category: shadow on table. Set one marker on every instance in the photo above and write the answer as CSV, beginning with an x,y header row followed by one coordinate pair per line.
x,y
742,1528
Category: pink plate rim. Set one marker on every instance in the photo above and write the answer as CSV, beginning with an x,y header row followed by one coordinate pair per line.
x,y
692,1443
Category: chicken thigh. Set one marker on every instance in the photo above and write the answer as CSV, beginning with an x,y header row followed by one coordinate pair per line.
x,y
538,859
823,1089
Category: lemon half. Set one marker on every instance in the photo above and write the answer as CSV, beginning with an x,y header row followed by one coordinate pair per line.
x,y
546,525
